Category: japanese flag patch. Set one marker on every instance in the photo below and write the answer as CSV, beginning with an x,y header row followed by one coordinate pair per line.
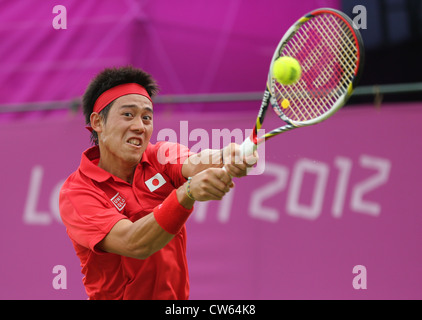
x,y
155,182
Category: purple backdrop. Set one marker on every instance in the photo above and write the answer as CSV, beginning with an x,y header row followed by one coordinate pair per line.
x,y
334,196
189,46
345,193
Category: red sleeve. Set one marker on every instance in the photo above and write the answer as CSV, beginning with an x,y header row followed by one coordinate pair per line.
x,y
170,158
88,217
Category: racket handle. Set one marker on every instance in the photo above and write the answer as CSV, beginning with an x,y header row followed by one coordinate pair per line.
x,y
247,148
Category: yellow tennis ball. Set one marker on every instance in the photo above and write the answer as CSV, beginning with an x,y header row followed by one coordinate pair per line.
x,y
287,70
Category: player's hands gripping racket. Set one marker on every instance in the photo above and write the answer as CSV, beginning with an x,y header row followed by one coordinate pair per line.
x,y
330,52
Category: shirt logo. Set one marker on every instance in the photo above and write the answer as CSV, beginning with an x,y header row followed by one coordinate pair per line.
x,y
155,182
118,201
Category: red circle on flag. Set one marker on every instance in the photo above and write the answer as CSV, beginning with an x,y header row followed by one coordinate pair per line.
x,y
155,182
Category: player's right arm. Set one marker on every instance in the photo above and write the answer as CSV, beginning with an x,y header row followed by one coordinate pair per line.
x,y
142,238
229,157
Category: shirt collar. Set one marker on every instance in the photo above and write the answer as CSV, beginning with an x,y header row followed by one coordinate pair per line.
x,y
89,165
145,154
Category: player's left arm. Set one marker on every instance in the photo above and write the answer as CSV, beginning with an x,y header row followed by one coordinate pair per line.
x,y
228,157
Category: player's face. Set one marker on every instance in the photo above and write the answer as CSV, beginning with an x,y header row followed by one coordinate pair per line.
x,y
126,133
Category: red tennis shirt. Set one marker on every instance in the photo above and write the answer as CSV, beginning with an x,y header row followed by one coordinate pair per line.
x,y
93,200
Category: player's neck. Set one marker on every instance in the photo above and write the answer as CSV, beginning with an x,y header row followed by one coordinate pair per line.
x,y
118,169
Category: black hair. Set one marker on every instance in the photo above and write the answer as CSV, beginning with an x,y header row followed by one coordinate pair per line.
x,y
109,78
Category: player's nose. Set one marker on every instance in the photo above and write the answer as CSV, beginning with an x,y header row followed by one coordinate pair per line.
x,y
137,125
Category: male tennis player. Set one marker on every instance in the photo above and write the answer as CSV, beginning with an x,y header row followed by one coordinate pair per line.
x,y
126,206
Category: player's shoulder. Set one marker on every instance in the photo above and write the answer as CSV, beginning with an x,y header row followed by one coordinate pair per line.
x,y
87,172
76,182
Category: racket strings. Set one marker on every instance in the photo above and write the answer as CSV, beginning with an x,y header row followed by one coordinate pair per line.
x,y
300,94
327,52
299,98
344,42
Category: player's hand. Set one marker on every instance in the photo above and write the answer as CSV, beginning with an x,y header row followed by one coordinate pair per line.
x,y
210,184
235,165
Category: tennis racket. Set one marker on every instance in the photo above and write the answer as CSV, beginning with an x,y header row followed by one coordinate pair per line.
x,y
330,52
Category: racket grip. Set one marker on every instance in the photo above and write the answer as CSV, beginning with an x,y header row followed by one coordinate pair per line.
x,y
247,148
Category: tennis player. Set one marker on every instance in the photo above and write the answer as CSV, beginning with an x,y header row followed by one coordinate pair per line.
x,y
126,205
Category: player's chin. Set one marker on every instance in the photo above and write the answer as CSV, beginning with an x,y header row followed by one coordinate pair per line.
x,y
134,155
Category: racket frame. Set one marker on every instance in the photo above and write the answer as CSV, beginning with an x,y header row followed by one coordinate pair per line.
x,y
250,144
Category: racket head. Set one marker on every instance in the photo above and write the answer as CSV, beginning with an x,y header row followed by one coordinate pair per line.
x,y
331,53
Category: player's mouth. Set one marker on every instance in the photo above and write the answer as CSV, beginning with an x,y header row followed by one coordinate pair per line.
x,y
135,142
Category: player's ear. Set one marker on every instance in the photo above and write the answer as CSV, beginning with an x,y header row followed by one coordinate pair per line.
x,y
96,122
